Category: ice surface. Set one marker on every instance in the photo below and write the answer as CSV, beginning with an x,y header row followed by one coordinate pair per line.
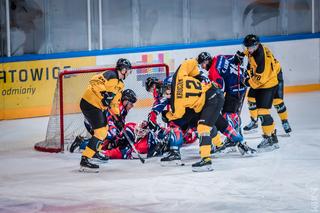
x,y
286,180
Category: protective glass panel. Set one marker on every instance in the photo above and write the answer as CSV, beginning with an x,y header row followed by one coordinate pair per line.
x,y
261,17
299,16
160,22
3,33
26,26
210,20
317,16
117,25
67,26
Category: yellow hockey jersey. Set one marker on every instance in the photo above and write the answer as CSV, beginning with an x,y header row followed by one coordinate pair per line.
x,y
189,93
263,68
101,83
188,68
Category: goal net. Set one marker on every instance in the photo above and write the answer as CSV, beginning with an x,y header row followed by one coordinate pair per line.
x,y
66,120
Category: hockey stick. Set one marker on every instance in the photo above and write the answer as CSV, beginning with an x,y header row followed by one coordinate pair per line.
x,y
133,147
241,102
128,139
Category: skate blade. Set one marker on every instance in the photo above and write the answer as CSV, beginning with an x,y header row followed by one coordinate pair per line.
x,y
135,156
97,161
250,131
173,163
248,154
207,168
285,135
228,150
88,170
268,149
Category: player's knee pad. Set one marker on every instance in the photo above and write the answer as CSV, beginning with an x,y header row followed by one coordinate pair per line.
x,y
267,124
92,147
279,105
265,117
252,103
205,146
101,133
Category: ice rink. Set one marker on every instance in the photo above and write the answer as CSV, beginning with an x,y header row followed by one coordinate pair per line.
x,y
285,180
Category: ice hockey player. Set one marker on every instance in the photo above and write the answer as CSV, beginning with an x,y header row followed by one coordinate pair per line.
x,y
103,93
277,102
144,141
262,79
128,99
190,120
228,73
187,92
182,130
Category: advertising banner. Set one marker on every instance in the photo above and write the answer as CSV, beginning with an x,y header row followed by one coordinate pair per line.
x,y
27,88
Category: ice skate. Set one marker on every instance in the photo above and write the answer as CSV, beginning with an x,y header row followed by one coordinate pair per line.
x,y
86,166
245,150
227,147
160,148
172,159
269,143
205,165
76,144
99,157
251,127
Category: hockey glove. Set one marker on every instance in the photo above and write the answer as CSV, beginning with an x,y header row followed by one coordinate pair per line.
x,y
118,122
107,98
238,57
203,78
152,122
122,142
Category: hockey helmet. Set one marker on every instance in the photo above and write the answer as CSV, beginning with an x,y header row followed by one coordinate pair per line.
x,y
152,81
141,129
203,57
251,40
123,63
129,95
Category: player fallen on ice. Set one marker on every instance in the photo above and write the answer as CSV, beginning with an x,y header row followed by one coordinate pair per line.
x,y
144,141
128,99
116,145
